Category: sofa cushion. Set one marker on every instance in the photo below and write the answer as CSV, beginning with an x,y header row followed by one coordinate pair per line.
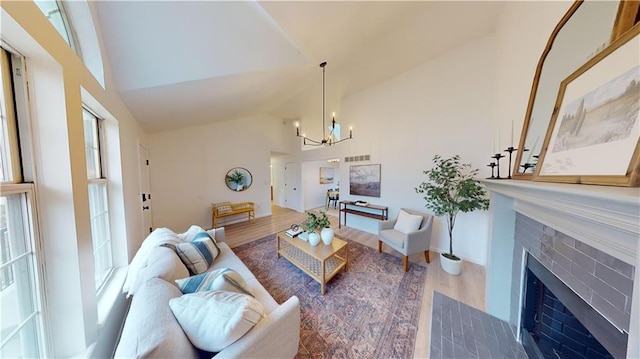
x,y
407,223
198,254
217,279
261,295
163,262
215,319
228,259
158,237
393,237
151,330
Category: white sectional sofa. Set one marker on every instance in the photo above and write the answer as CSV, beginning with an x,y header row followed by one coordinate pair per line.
x,y
152,331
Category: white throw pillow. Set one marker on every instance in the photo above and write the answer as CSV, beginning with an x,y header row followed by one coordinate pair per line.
x,y
214,320
151,330
407,223
219,279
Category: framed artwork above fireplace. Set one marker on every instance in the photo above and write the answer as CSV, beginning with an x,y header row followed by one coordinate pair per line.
x,y
594,134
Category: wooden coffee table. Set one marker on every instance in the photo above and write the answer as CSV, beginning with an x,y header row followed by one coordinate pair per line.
x,y
321,262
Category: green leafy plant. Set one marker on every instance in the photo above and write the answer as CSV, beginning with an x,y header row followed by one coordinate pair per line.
x,y
323,220
235,177
451,188
315,221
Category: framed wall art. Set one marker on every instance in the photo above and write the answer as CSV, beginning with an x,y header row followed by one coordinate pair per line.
x,y
326,175
594,131
364,180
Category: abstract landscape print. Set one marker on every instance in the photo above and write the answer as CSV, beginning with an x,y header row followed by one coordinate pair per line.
x,y
364,180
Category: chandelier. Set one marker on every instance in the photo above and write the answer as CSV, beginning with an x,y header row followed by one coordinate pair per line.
x,y
326,140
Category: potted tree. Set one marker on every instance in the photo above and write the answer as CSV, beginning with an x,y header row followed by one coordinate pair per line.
x,y
451,188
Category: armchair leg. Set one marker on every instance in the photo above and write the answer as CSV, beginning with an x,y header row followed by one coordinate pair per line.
x,y
426,256
405,262
379,246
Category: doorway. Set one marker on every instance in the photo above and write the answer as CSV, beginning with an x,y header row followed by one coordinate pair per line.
x,y
145,190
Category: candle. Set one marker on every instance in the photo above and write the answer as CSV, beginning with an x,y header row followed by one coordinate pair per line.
x,y
297,129
334,116
512,125
350,132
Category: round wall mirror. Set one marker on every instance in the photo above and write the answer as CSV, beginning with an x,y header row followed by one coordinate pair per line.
x,y
238,179
584,31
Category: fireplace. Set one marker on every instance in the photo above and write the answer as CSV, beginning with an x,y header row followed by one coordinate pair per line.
x,y
557,323
582,239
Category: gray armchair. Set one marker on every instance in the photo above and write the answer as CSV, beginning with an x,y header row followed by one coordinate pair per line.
x,y
410,243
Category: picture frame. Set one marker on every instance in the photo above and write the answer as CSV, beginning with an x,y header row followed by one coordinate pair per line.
x,y
594,133
326,175
364,180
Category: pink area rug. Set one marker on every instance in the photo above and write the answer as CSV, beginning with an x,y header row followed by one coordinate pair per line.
x,y
370,311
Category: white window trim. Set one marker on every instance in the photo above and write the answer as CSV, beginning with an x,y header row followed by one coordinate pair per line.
x,y
38,252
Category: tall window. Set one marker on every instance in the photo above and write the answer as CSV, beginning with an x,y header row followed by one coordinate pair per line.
x,y
21,324
98,208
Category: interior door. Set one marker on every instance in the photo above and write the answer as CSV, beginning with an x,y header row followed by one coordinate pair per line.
x,y
145,190
291,186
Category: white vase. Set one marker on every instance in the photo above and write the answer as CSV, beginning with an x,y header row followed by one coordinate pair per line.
x,y
314,238
451,266
327,235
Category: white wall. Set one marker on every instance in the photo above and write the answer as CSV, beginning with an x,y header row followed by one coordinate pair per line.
x,y
521,36
188,168
440,107
315,193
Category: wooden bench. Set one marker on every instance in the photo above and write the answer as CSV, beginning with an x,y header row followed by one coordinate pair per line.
x,y
231,209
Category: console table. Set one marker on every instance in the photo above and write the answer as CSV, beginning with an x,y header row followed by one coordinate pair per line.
x,y
369,211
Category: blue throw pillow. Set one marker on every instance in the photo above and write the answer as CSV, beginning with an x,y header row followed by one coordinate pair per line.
x,y
220,279
199,254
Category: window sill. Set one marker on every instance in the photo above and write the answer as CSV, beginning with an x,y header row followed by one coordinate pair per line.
x,y
109,294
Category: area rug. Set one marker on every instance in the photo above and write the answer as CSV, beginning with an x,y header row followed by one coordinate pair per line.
x,y
369,311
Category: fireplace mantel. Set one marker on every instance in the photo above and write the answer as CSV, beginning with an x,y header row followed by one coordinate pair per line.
x,y
607,218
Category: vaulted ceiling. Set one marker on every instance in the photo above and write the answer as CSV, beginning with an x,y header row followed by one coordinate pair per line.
x,y
184,63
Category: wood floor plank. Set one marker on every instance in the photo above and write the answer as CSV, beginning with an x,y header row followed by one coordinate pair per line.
x,y
468,287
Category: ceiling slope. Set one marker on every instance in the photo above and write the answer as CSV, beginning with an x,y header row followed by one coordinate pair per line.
x,y
185,63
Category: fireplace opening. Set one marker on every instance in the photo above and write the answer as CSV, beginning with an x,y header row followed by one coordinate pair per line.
x,y
557,323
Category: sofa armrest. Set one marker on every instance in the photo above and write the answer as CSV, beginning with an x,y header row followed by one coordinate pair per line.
x,y
277,335
418,241
217,233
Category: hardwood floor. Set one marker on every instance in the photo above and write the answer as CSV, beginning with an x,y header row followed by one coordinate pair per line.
x,y
468,287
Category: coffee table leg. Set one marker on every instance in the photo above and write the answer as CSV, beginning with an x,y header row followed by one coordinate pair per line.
x,y
322,290
278,245
346,257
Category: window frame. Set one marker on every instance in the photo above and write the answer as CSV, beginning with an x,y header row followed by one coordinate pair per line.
x,y
71,37
18,139
100,179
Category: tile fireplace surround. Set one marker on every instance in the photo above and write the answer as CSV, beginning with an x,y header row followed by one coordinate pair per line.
x,y
600,221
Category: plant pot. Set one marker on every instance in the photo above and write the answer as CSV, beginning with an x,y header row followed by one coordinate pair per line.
x,y
327,235
450,266
314,238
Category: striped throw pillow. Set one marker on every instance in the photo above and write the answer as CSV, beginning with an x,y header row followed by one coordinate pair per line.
x,y
220,279
199,254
